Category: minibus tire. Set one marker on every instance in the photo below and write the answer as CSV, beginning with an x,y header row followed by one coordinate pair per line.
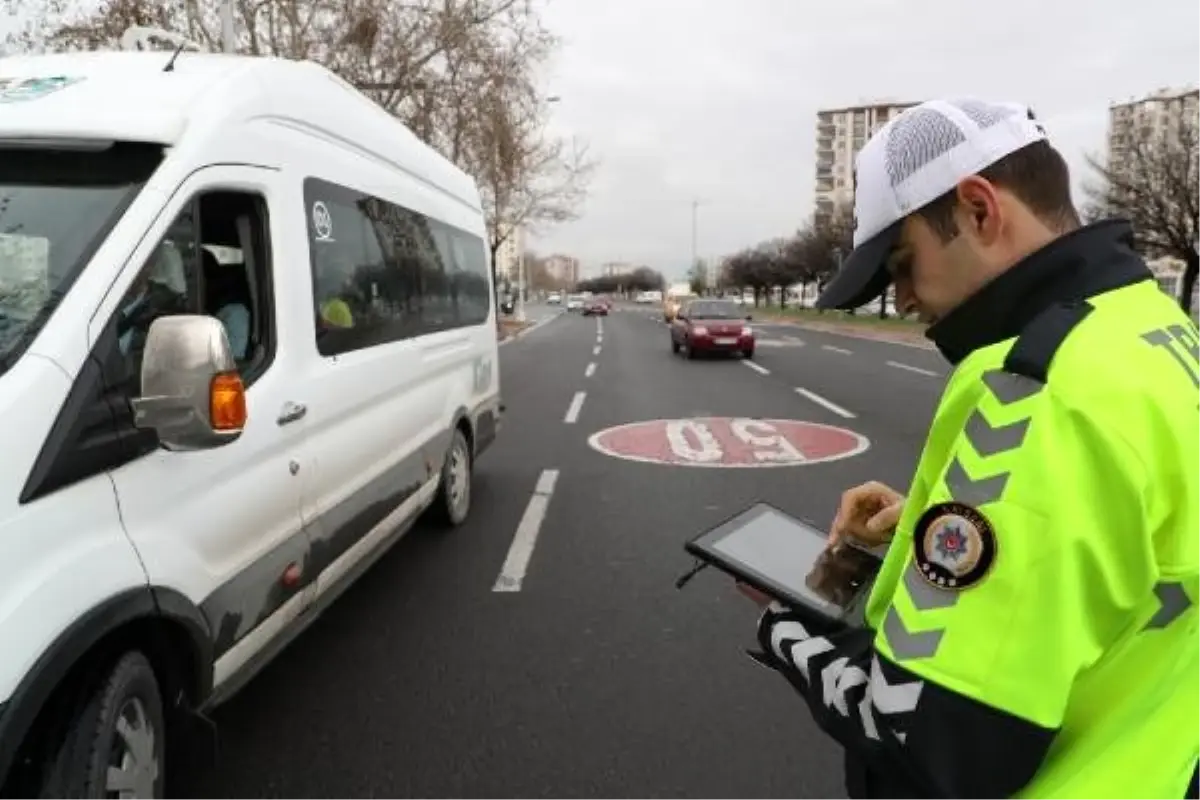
x,y
92,742
453,502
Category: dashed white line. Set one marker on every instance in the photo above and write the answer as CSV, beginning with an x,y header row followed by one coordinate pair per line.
x,y
821,401
761,370
573,410
596,350
521,550
911,368
590,371
833,349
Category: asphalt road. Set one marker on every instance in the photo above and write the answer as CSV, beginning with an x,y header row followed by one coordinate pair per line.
x,y
597,677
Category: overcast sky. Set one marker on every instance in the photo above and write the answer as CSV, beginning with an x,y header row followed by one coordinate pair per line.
x,y
718,98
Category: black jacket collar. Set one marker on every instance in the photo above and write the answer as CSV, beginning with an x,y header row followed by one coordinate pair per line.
x,y
1086,262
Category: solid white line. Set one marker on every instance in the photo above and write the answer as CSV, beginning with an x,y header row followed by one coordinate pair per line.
x,y
761,370
833,349
573,410
917,370
821,401
526,331
590,371
596,350
521,550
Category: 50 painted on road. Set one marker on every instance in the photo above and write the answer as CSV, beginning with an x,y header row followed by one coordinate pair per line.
x,y
728,442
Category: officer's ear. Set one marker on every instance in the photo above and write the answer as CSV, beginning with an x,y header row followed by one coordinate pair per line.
x,y
979,209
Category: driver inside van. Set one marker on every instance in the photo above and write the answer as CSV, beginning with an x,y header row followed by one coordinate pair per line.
x,y
158,290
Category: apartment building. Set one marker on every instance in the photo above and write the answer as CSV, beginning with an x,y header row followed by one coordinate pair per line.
x,y
1146,118
562,270
841,133
508,257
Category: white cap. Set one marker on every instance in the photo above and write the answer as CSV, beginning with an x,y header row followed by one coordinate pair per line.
x,y
913,160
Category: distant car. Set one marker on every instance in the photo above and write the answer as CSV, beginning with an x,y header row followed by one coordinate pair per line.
x,y
597,306
711,326
574,302
554,299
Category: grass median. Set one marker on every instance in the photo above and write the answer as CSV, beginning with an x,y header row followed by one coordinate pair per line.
x,y
865,323
867,319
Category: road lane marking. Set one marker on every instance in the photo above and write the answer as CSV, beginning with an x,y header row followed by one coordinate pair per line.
x,y
521,550
573,410
911,368
596,350
833,349
526,331
761,370
821,401
590,371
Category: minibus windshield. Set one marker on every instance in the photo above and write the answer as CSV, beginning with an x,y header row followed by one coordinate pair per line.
x,y
57,205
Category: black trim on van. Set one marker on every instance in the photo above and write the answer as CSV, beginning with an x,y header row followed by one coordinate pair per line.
x,y
64,654
245,601
94,430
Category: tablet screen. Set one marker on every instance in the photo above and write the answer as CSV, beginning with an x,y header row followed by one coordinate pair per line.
x,y
791,557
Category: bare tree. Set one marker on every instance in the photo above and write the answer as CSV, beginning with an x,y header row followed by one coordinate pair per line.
x,y
423,60
459,73
1156,188
527,178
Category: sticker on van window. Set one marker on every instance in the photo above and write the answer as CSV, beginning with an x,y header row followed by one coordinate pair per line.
x,y
16,90
322,222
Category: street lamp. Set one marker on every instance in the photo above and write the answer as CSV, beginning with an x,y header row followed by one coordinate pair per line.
x,y
696,203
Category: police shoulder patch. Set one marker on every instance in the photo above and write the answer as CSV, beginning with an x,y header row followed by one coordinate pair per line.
x,y
954,546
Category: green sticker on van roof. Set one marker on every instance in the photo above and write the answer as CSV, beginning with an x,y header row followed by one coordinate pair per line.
x,y
15,90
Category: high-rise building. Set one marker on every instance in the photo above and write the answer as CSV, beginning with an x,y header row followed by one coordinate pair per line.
x,y
508,257
1146,118
841,133
562,270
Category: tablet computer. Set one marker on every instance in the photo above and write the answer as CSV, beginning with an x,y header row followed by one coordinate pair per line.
x,y
788,559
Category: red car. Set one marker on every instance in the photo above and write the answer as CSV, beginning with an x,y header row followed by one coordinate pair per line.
x,y
711,326
597,306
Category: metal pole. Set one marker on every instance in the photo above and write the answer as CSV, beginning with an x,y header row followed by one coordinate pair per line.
x,y
228,43
695,207
520,279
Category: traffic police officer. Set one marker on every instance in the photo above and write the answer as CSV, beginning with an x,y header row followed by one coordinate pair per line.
x,y
1033,629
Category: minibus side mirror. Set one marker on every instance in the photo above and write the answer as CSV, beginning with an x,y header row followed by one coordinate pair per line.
x,y
191,395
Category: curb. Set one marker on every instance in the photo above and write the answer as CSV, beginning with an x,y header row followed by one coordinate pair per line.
x,y
529,329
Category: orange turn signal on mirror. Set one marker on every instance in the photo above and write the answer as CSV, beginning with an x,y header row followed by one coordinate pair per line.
x,y
227,402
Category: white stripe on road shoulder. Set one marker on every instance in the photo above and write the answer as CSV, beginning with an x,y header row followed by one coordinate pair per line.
x,y
590,371
910,368
761,370
573,410
596,350
821,401
833,349
521,550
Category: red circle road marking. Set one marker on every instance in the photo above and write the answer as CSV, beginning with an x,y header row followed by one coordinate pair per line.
x,y
728,442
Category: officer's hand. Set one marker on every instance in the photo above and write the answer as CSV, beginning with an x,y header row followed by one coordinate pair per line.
x,y
760,599
868,513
